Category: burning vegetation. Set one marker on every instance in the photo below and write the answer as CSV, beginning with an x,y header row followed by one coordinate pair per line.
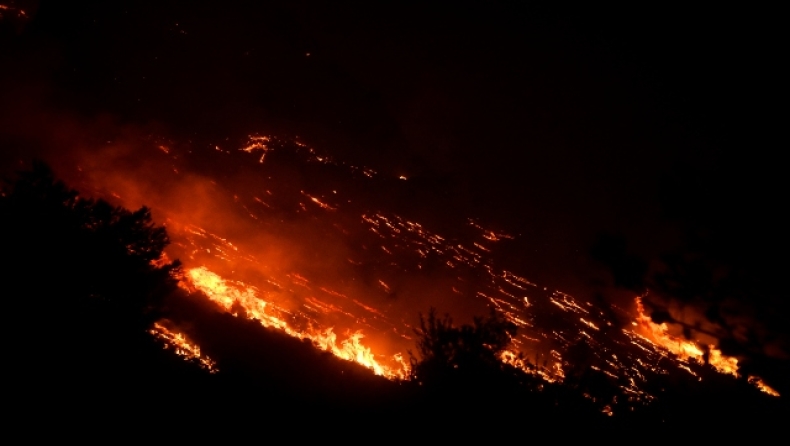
x,y
315,281
536,340
182,346
390,249
244,301
372,267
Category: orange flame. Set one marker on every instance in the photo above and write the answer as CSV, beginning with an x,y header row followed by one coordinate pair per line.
x,y
687,349
232,295
757,382
684,349
555,374
183,346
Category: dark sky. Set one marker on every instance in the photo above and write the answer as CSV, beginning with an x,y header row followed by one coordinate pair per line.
x,y
555,123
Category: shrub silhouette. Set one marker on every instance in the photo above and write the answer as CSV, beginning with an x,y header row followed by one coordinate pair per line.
x,y
83,279
450,354
68,250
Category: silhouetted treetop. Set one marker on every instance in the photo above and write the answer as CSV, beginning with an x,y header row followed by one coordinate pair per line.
x,y
66,248
448,352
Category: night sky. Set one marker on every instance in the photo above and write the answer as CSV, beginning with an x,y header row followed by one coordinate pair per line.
x,y
555,124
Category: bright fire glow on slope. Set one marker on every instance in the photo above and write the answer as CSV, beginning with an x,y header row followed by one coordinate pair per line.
x,y
183,346
684,349
757,382
239,297
354,264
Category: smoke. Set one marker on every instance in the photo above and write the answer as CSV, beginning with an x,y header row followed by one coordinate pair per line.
x,y
261,215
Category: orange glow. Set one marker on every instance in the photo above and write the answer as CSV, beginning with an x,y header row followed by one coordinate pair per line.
x,y
684,349
360,278
589,324
19,12
757,382
319,202
555,374
232,295
257,143
183,346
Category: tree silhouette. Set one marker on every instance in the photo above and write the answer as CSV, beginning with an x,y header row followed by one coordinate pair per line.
x,y
83,280
68,250
469,352
463,376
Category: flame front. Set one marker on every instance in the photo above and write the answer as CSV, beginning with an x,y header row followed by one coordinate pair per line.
x,y
757,382
684,349
233,297
183,346
328,253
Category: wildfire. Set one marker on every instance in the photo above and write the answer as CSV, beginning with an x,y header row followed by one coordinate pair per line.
x,y
258,143
235,296
757,382
684,349
689,350
517,360
182,346
319,202
384,250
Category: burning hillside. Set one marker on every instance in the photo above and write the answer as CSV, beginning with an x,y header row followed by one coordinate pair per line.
x,y
457,161
310,245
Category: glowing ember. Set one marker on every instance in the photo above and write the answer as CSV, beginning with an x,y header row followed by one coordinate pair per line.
x,y
258,143
319,202
182,346
235,296
12,10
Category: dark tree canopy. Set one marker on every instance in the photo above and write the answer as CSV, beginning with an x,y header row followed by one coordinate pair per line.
x,y
469,352
83,281
66,248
